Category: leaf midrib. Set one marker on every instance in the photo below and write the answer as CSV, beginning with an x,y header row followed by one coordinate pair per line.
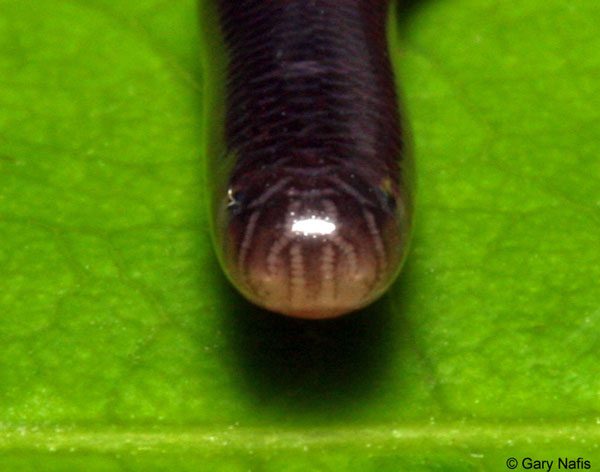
x,y
436,436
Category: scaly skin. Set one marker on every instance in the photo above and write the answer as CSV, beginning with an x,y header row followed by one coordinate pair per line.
x,y
315,216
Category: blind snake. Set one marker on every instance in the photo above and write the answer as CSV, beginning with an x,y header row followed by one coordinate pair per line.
x,y
308,169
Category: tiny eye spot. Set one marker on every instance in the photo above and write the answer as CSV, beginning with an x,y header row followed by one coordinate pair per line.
x,y
387,199
230,198
235,201
391,201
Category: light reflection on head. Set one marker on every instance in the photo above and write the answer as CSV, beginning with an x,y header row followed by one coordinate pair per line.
x,y
313,226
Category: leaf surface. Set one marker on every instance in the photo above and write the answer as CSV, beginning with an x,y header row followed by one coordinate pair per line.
x,y
123,348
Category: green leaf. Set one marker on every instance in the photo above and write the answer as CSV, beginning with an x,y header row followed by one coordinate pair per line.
x,y
123,348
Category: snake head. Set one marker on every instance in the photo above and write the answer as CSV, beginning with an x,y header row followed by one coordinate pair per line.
x,y
313,245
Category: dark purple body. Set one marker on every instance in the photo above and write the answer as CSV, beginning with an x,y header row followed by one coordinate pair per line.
x,y
312,123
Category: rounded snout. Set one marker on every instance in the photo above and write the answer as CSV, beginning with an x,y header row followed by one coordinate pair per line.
x,y
313,257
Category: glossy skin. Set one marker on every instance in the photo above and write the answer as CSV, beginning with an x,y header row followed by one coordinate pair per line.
x,y
314,218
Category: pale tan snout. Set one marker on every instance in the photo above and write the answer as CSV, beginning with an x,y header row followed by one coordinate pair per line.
x,y
316,267
322,277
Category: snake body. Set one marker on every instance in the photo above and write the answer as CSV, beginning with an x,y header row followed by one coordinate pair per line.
x,y
310,174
